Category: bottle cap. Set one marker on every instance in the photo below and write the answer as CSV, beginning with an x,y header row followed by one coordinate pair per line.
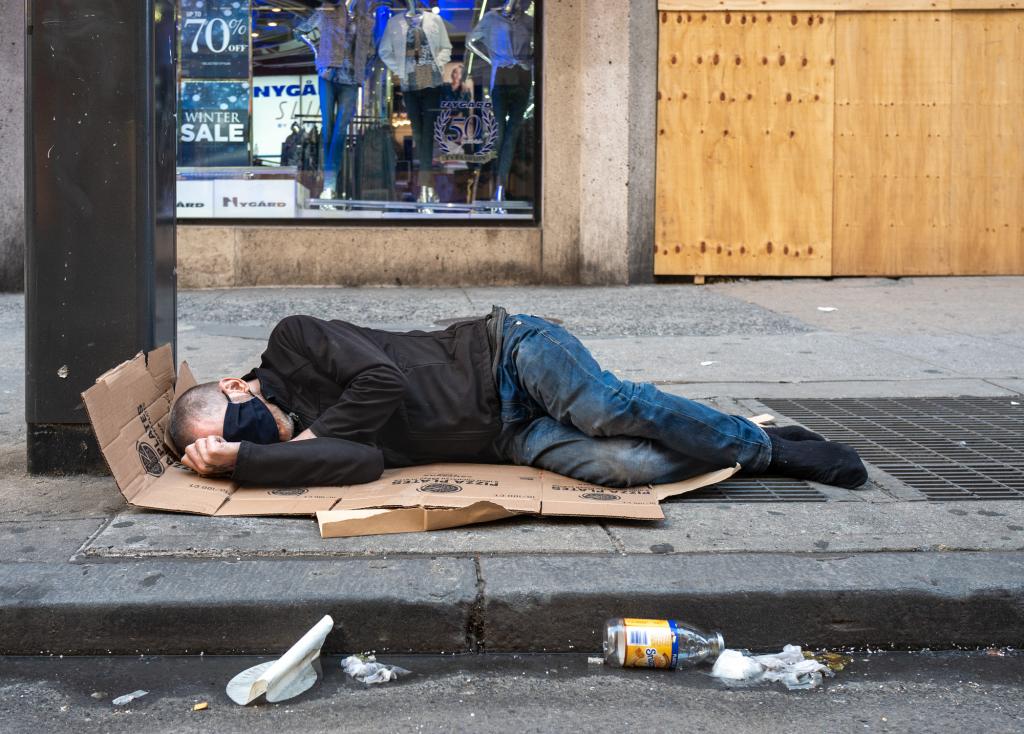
x,y
716,644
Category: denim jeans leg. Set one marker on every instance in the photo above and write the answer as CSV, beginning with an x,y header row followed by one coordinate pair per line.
x,y
337,108
560,375
618,461
328,114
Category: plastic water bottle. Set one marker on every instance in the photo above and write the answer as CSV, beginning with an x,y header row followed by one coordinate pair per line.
x,y
658,643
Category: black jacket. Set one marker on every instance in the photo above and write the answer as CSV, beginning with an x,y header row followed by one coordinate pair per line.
x,y
375,399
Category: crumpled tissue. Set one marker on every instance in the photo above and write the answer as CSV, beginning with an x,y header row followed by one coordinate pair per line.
x,y
368,670
789,667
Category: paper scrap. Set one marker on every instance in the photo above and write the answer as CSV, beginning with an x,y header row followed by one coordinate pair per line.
x,y
129,697
595,661
366,669
293,673
827,309
708,363
788,667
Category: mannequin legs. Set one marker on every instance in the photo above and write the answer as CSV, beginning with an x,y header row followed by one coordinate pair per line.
x,y
337,108
423,107
510,103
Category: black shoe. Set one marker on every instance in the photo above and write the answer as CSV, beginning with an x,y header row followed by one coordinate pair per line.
x,y
793,433
827,462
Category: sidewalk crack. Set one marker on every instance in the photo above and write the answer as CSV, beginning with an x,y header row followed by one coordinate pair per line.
x,y
620,547
475,629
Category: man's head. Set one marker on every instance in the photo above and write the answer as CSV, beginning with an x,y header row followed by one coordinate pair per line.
x,y
228,408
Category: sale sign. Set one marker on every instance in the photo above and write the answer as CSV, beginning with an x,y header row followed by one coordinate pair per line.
x,y
215,38
213,124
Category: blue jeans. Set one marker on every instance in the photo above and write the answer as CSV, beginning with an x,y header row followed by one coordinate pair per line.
x,y
337,108
561,412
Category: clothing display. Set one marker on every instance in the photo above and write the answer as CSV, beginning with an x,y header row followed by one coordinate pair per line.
x,y
374,164
421,71
335,49
303,152
509,41
423,107
416,48
509,103
337,108
291,148
346,44
394,110
394,42
497,389
342,52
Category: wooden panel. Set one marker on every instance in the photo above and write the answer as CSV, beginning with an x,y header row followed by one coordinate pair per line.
x,y
839,5
892,154
987,235
745,123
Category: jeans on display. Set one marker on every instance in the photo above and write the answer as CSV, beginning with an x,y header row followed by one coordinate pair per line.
x,y
337,108
423,106
508,102
563,413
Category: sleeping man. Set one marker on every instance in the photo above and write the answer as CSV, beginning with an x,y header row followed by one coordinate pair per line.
x,y
334,404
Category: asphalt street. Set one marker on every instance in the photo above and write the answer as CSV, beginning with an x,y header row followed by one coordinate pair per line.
x,y
878,692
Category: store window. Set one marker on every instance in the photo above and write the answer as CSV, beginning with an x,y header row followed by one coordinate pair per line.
x,y
358,109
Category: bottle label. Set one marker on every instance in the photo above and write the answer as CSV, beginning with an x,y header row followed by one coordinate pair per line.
x,y
651,643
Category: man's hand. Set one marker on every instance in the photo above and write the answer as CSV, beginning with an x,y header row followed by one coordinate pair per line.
x,y
211,455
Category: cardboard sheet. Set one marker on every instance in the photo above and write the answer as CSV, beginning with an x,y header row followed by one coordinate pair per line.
x,y
129,407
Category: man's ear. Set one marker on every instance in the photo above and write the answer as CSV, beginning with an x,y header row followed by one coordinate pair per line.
x,y
233,387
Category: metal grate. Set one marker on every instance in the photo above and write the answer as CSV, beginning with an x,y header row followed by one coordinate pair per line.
x,y
945,448
757,489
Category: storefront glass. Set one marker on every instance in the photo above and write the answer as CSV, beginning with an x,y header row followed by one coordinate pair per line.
x,y
358,109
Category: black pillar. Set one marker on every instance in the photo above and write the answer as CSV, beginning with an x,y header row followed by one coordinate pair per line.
x,y
100,254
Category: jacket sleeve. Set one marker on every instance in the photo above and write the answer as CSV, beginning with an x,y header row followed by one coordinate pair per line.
x,y
443,53
479,34
317,462
387,51
374,384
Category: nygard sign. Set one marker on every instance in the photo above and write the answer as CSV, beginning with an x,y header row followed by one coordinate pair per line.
x,y
228,201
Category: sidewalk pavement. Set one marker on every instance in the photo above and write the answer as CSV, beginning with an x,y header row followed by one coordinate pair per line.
x,y
82,573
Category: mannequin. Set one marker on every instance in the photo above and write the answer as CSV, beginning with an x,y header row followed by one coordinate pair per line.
x,y
415,47
341,66
504,39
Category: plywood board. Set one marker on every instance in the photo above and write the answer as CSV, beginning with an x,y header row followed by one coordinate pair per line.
x,y
987,235
745,127
892,146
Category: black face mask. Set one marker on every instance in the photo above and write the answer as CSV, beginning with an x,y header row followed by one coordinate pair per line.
x,y
250,421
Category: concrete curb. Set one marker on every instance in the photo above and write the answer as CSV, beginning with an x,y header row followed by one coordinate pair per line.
x,y
187,607
762,600
522,604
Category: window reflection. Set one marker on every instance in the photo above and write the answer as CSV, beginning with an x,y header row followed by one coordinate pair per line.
x,y
357,109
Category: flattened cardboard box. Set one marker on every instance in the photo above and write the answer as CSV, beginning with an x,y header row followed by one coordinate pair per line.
x,y
129,407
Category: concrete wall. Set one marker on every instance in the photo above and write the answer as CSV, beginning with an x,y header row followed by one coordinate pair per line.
x,y
12,150
222,257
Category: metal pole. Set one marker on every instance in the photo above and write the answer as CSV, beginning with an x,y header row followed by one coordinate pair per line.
x,y
100,256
